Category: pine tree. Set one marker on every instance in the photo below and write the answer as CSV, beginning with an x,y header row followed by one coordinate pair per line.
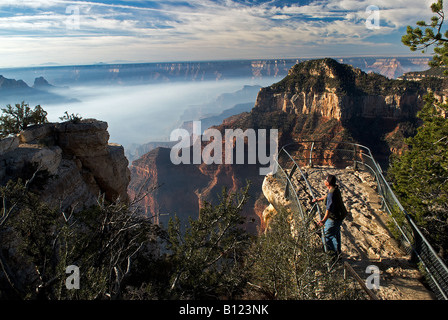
x,y
207,257
420,174
419,39
17,118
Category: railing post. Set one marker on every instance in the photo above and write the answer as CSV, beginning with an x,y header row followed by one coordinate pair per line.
x,y
311,155
291,173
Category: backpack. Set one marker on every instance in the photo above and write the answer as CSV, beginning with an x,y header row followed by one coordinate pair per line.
x,y
340,209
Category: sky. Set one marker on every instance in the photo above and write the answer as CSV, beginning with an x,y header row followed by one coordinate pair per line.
x,y
59,32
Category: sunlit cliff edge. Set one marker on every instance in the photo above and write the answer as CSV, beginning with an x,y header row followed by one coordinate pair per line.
x,y
79,162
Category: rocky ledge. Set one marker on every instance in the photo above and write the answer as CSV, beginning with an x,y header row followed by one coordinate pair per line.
x,y
75,159
341,92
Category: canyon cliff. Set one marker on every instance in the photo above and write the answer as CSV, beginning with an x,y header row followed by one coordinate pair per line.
x,y
318,100
181,189
340,92
73,161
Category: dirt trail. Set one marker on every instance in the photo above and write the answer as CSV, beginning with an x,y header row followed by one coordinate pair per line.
x,y
366,239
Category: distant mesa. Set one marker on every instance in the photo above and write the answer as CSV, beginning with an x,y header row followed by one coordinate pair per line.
x,y
41,83
389,67
49,64
7,84
124,72
434,72
15,91
12,84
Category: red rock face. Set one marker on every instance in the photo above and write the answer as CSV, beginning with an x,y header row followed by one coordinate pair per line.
x,y
183,188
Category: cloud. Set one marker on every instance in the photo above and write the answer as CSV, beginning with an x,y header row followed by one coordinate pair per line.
x,y
28,3
203,28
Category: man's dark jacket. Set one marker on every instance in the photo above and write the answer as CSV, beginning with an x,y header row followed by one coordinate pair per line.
x,y
335,205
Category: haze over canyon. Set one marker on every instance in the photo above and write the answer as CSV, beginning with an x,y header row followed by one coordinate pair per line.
x,y
143,103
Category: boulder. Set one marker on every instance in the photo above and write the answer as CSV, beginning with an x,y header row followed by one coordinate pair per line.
x,y
9,144
37,133
80,162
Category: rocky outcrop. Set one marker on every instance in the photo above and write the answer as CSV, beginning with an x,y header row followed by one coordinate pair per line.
x,y
41,83
76,158
341,92
11,84
332,105
274,192
434,72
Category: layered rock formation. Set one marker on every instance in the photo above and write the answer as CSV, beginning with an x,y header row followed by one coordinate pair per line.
x,y
318,100
75,160
340,92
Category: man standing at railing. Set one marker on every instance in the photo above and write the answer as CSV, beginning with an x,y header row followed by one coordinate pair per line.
x,y
334,215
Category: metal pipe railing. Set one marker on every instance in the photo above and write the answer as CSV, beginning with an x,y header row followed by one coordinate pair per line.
x,y
435,268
